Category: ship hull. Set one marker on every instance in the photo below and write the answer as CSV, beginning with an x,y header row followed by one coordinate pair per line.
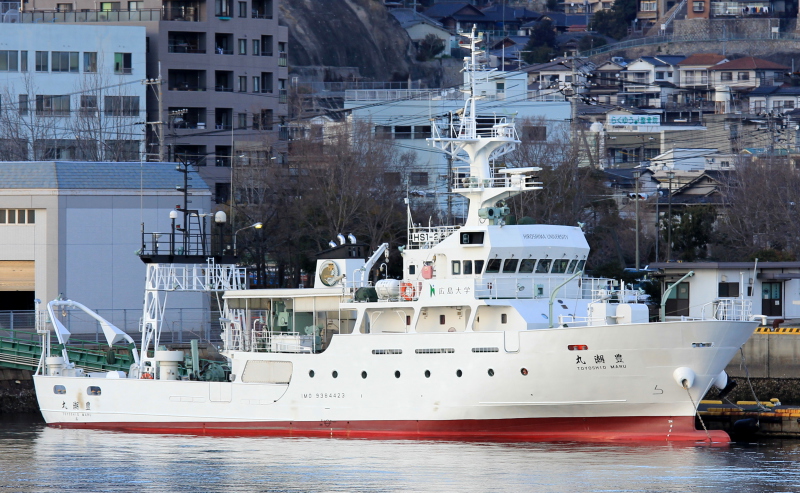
x,y
614,382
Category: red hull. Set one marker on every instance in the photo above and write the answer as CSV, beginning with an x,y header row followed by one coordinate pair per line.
x,y
597,429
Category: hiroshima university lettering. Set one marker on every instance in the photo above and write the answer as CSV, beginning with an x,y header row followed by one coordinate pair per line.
x,y
634,120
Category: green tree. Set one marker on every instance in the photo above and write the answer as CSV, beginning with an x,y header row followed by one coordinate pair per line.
x,y
542,44
429,47
615,21
590,42
692,231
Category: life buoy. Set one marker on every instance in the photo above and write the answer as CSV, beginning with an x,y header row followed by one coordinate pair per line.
x,y
407,291
147,376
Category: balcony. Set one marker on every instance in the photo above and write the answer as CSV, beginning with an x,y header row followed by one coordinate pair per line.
x,y
262,9
223,81
182,12
283,96
283,59
186,80
186,42
223,44
696,81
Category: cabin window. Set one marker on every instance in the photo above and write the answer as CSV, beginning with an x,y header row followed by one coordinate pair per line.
x,y
456,267
408,319
581,264
493,266
527,265
93,390
412,269
543,267
441,320
560,266
510,266
572,265
478,266
503,318
728,289
467,267
59,389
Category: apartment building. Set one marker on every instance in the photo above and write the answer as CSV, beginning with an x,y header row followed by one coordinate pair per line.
x,y
223,69
71,92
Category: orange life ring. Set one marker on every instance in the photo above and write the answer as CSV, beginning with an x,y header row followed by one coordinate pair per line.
x,y
407,291
147,376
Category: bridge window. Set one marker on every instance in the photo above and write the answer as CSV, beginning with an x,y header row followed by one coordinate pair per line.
x,y
543,267
93,390
526,266
468,267
456,267
478,266
510,266
493,266
59,389
580,265
560,266
572,265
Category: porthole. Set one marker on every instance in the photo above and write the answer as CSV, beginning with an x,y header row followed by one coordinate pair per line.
x,y
93,390
427,374
491,372
311,373
524,371
363,374
335,374
459,373
59,389
397,374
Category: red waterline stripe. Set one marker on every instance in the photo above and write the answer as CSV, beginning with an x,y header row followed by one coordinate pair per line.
x,y
596,429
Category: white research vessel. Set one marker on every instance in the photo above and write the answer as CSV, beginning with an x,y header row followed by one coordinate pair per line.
x,y
492,334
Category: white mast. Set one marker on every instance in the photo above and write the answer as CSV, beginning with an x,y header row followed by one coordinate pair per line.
x,y
476,147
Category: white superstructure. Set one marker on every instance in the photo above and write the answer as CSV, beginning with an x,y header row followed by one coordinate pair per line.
x,y
492,333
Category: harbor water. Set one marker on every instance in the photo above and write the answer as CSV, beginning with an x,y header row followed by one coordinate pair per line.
x,y
35,458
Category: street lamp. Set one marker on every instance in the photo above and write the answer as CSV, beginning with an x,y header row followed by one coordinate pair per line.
x,y
636,175
254,225
670,175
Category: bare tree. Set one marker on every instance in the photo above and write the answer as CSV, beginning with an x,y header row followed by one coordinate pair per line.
x,y
760,199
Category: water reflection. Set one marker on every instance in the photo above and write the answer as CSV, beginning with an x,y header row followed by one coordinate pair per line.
x,y
40,459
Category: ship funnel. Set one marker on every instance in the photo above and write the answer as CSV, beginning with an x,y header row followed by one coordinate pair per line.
x,y
684,377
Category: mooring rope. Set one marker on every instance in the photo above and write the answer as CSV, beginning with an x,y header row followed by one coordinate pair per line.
x,y
747,374
697,413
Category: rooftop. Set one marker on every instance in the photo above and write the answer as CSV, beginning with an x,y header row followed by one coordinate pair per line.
x,y
68,175
749,63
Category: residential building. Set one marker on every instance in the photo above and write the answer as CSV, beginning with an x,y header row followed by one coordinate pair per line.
x,y
744,74
460,16
223,66
650,81
605,81
693,76
769,98
419,25
71,229
72,92
408,122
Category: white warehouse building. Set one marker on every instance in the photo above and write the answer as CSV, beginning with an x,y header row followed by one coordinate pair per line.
x,y
72,92
73,229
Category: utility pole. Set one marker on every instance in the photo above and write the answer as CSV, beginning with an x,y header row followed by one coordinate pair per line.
x,y
636,175
158,125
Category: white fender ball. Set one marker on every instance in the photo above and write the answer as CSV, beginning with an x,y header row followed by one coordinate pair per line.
x,y
684,377
721,380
